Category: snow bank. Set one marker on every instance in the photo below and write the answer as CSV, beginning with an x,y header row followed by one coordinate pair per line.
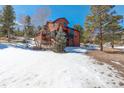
x,y
90,46
26,68
120,47
75,50
30,44
2,46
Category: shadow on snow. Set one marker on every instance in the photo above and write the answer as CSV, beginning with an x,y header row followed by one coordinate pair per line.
x,y
19,46
23,46
3,46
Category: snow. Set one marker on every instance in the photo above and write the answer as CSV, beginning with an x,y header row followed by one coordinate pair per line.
x,y
83,49
120,47
90,46
28,68
75,50
118,63
30,45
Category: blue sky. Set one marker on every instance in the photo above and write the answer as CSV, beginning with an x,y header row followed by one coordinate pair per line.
x,y
75,14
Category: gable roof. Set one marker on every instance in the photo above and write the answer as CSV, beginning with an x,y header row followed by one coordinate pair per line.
x,y
61,18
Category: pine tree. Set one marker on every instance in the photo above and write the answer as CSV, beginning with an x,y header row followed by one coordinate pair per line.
x,y
79,28
8,19
27,27
99,18
60,43
113,27
89,29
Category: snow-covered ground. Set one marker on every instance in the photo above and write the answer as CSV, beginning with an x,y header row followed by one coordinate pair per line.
x,y
120,47
28,68
75,50
89,46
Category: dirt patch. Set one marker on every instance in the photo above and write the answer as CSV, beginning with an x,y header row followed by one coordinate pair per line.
x,y
121,84
113,51
112,57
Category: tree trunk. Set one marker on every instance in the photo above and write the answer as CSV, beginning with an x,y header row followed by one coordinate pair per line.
x,y
112,45
112,42
101,41
40,40
101,36
26,39
8,35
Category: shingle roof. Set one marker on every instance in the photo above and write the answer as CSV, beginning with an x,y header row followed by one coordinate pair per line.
x,y
61,18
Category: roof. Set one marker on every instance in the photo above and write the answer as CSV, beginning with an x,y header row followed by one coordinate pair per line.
x,y
65,20
72,29
49,22
61,18
57,20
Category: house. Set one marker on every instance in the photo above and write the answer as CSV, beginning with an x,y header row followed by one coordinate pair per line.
x,y
72,35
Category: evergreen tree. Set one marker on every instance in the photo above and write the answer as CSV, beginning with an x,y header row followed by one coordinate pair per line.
x,y
99,18
0,21
31,31
113,27
60,43
18,32
89,30
27,27
79,28
39,28
8,19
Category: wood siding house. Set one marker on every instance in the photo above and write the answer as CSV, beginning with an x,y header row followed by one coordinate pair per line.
x,y
72,35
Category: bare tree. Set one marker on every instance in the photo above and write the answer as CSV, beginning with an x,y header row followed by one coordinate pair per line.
x,y
41,15
39,19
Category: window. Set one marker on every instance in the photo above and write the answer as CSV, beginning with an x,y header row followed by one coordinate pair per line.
x,y
71,34
65,24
